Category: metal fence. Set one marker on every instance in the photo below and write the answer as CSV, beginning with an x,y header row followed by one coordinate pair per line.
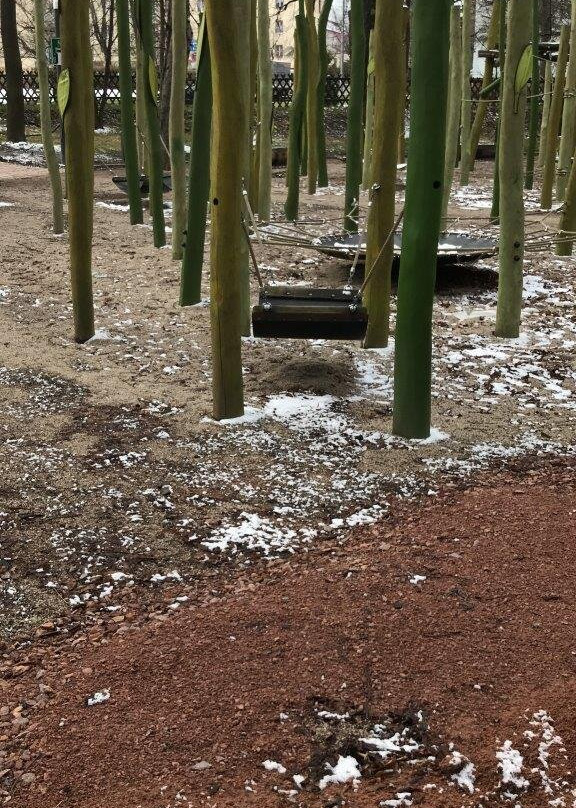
x,y
108,87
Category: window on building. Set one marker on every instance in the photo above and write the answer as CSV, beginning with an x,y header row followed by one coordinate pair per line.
x,y
279,51
280,4
279,26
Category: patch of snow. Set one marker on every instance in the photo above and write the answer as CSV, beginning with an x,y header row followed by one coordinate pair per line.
x,y
98,698
346,769
510,764
273,766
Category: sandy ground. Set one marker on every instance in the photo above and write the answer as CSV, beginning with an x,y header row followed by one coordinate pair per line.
x,y
121,497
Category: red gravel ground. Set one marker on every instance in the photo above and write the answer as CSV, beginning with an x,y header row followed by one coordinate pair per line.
x,y
237,674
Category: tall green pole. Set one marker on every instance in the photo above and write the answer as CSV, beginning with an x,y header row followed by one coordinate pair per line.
x,y
554,118
495,211
76,100
354,150
146,37
229,31
568,131
423,211
199,176
511,158
45,120
129,141
535,99
469,155
467,52
312,97
324,62
388,117
177,133
265,99
296,120
454,106
369,126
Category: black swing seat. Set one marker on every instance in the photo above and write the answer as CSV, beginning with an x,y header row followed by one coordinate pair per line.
x,y
296,312
122,183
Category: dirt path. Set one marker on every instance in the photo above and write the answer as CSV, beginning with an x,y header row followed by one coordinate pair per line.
x,y
451,624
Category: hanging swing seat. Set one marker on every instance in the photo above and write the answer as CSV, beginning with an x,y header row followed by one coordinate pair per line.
x,y
296,312
122,183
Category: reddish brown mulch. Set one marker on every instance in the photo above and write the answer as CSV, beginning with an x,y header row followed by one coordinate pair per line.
x,y
485,641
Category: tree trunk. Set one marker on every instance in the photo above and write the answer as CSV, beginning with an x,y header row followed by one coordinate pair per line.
x,y
129,140
511,157
468,18
177,134
199,179
312,97
229,31
454,106
79,129
535,98
296,120
554,118
495,211
150,102
15,122
369,126
324,61
426,151
469,156
265,108
567,139
548,83
45,119
388,70
354,146
568,216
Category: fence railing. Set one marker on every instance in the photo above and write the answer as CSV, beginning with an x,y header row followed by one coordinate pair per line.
x,y
107,87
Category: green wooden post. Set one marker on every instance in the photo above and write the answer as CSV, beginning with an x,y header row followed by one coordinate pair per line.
x,y
129,140
312,97
511,157
469,156
568,215
296,121
355,129
146,36
423,211
324,62
466,70
388,117
554,118
454,106
545,113
229,31
177,134
76,100
45,120
199,176
535,99
568,131
495,211
265,101
369,127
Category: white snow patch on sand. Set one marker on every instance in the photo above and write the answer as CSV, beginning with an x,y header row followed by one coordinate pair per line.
x,y
345,770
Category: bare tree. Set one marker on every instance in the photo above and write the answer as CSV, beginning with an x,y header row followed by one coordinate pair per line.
x,y
15,122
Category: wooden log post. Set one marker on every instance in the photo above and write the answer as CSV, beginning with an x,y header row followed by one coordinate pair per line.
x,y
265,103
369,126
495,210
355,129
296,119
548,84
423,211
312,96
324,62
176,124
229,32
468,19
568,131
511,158
554,118
76,101
534,100
45,119
388,117
155,149
469,156
199,176
454,106
129,139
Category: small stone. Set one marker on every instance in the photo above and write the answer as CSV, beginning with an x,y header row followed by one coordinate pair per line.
x,y
201,766
28,778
